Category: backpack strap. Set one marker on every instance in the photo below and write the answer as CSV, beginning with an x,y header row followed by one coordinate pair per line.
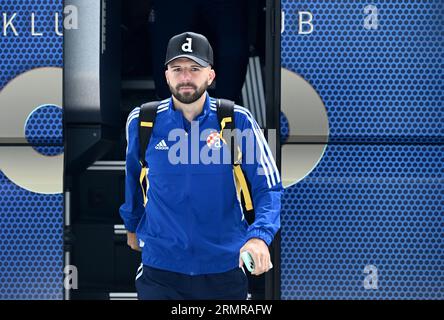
x,y
225,115
147,118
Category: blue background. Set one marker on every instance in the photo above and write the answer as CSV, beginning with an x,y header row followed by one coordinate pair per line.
x,y
375,198
31,224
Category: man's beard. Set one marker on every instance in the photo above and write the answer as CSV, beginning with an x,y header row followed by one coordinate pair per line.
x,y
188,97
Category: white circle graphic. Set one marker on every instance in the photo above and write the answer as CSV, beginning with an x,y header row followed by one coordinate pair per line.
x,y
308,127
19,98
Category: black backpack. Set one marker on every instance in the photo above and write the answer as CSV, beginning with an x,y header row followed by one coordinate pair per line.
x,y
225,115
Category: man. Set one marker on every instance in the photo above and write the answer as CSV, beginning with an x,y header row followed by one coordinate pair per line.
x,y
192,230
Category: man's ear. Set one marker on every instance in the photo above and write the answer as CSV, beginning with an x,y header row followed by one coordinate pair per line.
x,y
211,76
166,76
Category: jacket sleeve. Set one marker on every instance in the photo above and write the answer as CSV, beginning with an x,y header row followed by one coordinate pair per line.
x,y
132,210
261,172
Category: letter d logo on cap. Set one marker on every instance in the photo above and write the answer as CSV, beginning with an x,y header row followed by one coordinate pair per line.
x,y
187,45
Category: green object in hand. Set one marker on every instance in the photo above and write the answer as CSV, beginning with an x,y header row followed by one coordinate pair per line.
x,y
248,260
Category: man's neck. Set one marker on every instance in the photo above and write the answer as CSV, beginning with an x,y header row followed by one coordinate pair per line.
x,y
190,111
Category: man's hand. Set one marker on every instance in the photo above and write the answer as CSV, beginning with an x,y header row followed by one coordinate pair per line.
x,y
261,256
131,240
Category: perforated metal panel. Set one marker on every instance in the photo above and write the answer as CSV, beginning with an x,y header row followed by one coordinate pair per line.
x,y
25,52
375,198
386,83
366,205
31,224
31,239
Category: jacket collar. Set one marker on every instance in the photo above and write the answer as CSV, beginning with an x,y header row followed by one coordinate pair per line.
x,y
205,111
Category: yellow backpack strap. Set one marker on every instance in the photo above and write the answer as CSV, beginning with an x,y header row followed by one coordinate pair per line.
x,y
225,114
223,123
240,178
147,117
144,184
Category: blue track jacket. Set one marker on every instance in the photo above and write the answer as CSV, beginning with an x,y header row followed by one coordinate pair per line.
x,y
193,221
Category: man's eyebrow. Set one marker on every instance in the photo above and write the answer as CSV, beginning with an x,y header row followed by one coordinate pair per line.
x,y
192,66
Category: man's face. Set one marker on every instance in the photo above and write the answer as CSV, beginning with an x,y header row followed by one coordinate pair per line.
x,y
188,80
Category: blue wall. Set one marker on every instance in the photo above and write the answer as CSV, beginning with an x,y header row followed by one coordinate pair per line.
x,y
375,198
31,224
